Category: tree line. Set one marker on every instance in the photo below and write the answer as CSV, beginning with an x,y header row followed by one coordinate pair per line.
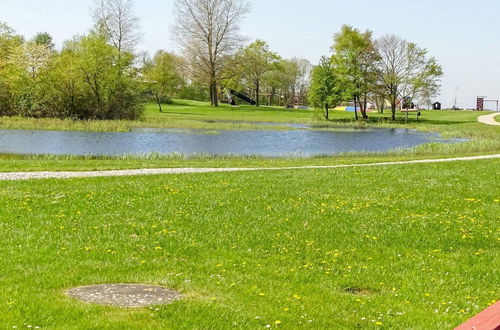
x,y
101,75
93,76
387,70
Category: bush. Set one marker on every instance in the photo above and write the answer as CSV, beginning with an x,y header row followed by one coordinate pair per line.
x,y
88,79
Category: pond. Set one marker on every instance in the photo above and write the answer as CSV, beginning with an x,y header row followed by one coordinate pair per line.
x,y
301,143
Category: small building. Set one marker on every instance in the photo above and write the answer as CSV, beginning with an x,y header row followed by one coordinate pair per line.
x,y
436,106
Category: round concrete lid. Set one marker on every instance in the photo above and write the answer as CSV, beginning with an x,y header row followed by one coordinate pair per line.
x,y
125,295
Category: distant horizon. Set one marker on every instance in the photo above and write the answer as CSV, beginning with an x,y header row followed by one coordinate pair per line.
x,y
461,35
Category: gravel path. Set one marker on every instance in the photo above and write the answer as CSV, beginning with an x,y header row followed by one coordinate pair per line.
x,y
10,176
489,119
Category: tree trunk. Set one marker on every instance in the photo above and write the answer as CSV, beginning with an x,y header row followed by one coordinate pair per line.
x,y
356,107
158,100
327,111
216,96
393,109
364,105
257,92
213,94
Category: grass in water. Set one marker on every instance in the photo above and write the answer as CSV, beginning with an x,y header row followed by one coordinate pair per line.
x,y
413,246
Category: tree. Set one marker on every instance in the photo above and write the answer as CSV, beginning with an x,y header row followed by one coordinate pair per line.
x,y
9,42
44,38
356,55
302,79
255,61
110,86
29,62
272,83
405,70
162,75
324,92
31,57
207,30
116,20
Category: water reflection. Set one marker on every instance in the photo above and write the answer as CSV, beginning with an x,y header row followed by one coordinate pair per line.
x,y
304,142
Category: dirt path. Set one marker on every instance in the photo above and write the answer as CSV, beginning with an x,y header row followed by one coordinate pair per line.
x,y
11,176
489,119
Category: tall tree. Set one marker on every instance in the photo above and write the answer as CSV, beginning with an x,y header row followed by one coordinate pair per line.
x,y
207,30
117,21
9,42
108,79
44,38
163,76
356,56
302,79
405,70
324,91
255,61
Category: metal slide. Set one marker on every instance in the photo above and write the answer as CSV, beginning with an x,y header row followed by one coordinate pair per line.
x,y
242,96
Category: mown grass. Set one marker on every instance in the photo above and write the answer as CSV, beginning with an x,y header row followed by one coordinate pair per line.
x,y
404,247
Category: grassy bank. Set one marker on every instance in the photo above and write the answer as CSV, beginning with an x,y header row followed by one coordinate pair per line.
x,y
412,246
199,115
181,114
12,163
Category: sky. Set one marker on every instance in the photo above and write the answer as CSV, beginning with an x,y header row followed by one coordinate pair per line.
x,y
463,35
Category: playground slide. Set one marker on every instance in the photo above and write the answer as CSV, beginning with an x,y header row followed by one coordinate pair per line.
x,y
243,97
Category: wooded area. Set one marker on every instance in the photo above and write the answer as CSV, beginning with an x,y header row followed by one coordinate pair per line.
x,y
102,75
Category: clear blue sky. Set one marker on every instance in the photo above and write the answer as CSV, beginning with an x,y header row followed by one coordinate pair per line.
x,y
463,35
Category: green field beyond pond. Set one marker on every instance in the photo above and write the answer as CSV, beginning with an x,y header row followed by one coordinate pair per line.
x,y
402,247
199,115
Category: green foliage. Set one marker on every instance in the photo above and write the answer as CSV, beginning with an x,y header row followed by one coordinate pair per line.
x,y
44,38
195,91
288,81
324,91
29,69
88,79
9,42
162,76
254,61
355,56
405,70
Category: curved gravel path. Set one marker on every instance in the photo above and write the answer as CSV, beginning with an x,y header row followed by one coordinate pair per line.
x,y
11,176
489,119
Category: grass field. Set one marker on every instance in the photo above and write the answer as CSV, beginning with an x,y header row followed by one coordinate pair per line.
x,y
405,247
400,247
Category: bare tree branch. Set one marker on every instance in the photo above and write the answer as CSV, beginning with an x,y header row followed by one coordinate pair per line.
x,y
207,30
116,19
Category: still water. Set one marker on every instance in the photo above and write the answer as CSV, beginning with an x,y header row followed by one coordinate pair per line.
x,y
302,142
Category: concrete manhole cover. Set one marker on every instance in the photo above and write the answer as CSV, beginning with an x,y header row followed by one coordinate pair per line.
x,y
125,295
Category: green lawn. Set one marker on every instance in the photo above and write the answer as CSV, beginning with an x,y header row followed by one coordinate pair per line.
x,y
403,247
